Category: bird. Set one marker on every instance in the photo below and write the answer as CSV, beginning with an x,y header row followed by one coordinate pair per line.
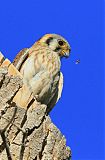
x,y
40,66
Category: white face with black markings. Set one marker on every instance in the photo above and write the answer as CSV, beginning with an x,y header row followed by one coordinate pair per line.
x,y
57,44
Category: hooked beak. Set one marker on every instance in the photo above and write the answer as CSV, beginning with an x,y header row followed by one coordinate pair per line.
x,y
67,53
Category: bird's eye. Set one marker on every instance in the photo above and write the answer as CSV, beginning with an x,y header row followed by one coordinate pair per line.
x,y
60,42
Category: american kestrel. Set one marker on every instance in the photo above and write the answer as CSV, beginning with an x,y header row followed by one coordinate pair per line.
x,y
40,67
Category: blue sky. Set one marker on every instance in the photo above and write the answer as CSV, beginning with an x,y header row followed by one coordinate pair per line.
x,y
79,114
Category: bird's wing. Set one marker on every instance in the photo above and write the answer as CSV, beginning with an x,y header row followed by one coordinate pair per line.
x,y
20,58
60,86
56,95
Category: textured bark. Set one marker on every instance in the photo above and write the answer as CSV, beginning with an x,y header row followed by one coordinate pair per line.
x,y
26,131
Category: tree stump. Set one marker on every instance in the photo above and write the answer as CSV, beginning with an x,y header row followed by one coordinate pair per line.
x,y
26,131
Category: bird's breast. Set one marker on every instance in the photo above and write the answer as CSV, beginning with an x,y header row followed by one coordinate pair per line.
x,y
39,61
51,62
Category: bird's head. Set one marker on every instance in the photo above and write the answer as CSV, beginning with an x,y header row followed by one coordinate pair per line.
x,y
57,44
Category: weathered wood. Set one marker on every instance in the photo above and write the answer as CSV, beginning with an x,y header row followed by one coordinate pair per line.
x,y
27,133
